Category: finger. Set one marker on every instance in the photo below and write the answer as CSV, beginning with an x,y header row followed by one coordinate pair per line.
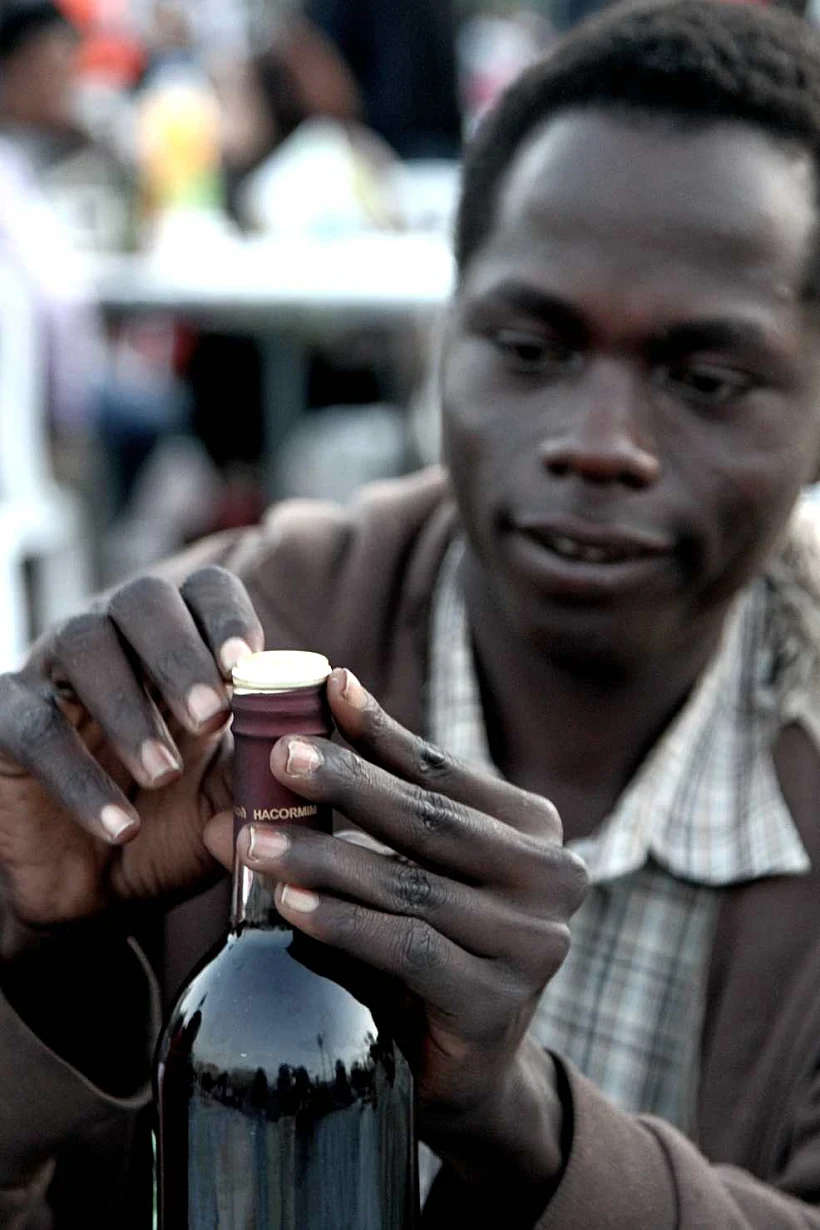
x,y
88,654
425,962
224,614
152,617
429,827
482,923
367,727
218,837
36,735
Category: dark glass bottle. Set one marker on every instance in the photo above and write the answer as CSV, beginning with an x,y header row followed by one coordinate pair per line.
x,y
281,1104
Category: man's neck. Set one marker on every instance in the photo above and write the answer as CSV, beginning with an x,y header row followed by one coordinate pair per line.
x,y
577,737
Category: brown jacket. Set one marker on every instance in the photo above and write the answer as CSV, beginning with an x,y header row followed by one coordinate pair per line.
x,y
356,584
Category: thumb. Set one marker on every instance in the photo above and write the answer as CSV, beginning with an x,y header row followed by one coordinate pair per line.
x,y
218,837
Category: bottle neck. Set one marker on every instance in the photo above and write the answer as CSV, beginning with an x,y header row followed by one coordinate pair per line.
x,y
262,801
252,900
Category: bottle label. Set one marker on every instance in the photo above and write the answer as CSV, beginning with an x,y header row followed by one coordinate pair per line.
x,y
308,811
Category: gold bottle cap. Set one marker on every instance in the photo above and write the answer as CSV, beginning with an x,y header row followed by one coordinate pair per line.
x,y
280,670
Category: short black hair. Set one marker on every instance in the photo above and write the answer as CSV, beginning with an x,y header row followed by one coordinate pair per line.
x,y
690,60
22,20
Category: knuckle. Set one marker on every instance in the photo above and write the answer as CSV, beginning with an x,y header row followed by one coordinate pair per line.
x,y
540,950
82,782
562,880
508,986
552,821
576,878
379,726
532,948
554,879
435,814
543,817
356,773
352,923
419,947
384,737
29,714
555,945
432,762
412,888
37,722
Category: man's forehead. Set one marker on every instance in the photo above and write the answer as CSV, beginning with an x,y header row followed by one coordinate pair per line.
x,y
586,170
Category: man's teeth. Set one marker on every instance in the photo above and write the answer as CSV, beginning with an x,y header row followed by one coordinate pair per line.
x,y
569,548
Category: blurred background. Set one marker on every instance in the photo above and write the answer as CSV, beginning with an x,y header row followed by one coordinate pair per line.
x,y
224,251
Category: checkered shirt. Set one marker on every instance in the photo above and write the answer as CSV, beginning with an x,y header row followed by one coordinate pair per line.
x,y
704,811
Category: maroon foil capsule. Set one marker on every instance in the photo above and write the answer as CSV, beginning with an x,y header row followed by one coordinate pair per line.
x,y
276,693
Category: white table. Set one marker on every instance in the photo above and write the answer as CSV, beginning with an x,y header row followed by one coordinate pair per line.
x,y
285,291
284,281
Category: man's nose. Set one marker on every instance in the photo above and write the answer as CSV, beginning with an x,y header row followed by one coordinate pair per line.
x,y
603,437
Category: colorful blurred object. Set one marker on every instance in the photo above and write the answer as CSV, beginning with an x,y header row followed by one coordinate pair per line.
x,y
178,142
110,49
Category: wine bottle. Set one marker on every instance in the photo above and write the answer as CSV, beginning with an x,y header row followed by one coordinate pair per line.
x,y
281,1104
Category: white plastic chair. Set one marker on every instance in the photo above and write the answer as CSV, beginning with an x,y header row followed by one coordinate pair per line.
x,y
45,568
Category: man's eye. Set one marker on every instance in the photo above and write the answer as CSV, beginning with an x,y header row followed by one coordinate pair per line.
x,y
532,352
706,384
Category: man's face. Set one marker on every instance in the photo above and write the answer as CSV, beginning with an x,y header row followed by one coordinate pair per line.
x,y
38,79
631,385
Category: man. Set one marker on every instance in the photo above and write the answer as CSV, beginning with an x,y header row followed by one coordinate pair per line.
x,y
609,602
38,49
402,54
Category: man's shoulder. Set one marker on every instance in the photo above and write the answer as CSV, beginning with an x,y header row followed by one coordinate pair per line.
x,y
390,509
320,539
312,563
793,577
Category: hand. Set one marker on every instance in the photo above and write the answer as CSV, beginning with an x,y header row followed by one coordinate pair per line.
x,y
112,742
466,934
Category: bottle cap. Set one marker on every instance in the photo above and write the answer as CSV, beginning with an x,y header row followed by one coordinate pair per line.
x,y
280,670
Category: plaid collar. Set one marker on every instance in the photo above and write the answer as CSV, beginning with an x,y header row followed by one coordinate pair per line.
x,y
706,804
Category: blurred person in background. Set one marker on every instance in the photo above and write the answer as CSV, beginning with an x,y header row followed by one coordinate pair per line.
x,y
38,45
402,56
497,40
37,128
109,398
299,74
265,96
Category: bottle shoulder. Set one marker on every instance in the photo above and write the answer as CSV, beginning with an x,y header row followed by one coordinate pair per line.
x,y
254,999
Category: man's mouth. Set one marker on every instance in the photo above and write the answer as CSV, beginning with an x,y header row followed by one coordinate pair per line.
x,y
583,561
592,553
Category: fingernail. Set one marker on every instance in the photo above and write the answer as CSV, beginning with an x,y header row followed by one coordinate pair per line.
x,y
266,843
115,821
233,651
205,703
157,760
303,758
353,692
298,899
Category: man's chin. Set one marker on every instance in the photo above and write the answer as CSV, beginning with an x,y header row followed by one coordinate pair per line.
x,y
595,646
